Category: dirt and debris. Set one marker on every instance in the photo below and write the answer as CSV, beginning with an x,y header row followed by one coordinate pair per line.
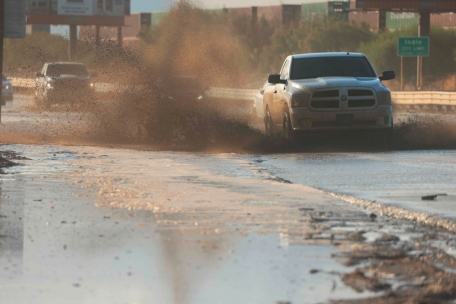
x,y
387,257
432,197
6,159
405,271
359,282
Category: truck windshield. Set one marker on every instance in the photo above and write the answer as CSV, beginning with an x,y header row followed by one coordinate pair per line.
x,y
304,68
56,70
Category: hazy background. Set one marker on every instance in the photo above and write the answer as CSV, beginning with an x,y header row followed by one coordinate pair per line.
x,y
145,5
139,6
241,3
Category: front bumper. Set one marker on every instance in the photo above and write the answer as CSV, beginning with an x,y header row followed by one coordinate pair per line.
x,y
59,93
306,121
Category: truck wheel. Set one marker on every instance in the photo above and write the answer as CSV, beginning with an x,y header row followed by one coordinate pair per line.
x,y
268,123
287,131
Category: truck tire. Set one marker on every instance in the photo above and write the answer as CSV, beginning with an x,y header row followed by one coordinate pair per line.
x,y
287,131
268,123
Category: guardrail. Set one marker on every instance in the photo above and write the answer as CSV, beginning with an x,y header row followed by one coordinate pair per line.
x,y
435,101
28,83
237,94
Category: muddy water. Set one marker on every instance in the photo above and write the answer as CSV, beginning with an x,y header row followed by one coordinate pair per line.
x,y
58,247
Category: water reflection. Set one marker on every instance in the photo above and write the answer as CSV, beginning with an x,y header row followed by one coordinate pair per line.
x,y
11,236
67,250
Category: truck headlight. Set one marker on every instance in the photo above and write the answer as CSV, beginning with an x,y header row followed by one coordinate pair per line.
x,y
384,98
300,100
7,87
49,85
92,85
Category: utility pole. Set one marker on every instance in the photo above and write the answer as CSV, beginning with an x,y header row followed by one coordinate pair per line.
x,y
2,32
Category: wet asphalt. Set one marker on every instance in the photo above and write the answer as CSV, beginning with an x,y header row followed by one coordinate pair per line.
x,y
397,178
56,246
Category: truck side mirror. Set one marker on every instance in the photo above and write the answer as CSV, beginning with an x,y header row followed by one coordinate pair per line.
x,y
388,75
275,79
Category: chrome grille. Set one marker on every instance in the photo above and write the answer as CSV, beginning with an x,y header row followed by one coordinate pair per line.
x,y
361,98
357,93
325,104
328,99
326,94
343,99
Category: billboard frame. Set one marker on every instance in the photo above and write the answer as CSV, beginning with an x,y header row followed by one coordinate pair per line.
x,y
407,5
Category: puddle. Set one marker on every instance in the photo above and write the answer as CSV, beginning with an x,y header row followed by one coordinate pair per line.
x,y
60,247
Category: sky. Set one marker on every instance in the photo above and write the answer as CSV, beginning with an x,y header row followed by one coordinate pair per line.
x,y
160,5
138,6
149,5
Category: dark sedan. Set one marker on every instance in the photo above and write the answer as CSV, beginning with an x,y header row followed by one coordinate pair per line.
x,y
64,82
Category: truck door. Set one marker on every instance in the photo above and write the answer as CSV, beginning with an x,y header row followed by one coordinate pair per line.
x,y
279,98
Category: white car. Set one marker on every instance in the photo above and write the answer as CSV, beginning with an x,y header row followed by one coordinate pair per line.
x,y
327,92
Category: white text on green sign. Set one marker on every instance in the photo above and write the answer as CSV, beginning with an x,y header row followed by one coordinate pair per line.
x,y
413,47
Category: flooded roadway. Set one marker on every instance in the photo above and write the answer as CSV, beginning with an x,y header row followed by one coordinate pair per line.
x,y
85,225
96,224
397,178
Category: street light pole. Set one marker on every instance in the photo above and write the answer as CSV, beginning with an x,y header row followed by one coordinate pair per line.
x,y
2,32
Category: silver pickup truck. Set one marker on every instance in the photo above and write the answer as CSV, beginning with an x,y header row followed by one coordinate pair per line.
x,y
327,92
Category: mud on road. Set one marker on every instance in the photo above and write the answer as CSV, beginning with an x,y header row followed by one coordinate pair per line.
x,y
217,219
219,205
403,261
208,198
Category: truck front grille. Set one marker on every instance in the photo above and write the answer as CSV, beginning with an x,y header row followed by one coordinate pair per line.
x,y
325,104
326,94
357,93
345,98
359,98
328,99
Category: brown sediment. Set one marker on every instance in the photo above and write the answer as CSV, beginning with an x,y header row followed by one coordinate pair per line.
x,y
407,277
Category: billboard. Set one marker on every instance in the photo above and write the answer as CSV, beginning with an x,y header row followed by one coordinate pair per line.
x,y
433,5
113,8
15,19
75,7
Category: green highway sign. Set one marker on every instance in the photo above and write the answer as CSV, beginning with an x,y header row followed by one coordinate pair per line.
x,y
413,47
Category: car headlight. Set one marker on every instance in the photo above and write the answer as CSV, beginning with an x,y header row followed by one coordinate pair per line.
x,y
384,98
92,85
300,100
7,87
200,97
49,85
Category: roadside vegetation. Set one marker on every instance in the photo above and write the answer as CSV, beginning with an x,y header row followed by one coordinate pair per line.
x,y
260,48
233,51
